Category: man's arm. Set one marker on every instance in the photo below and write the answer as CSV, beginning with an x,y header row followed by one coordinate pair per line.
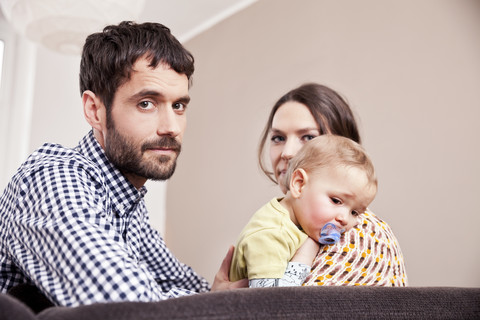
x,y
165,267
64,238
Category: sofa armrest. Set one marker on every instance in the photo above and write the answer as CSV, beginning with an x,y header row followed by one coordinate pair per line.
x,y
13,309
293,303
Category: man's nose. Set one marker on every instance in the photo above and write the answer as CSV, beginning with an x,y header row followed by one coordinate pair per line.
x,y
168,123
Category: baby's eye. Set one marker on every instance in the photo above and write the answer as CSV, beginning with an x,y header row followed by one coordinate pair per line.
x,y
146,105
336,200
355,213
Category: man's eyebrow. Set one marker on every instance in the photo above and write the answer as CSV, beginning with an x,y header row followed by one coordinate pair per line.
x,y
184,99
145,93
157,94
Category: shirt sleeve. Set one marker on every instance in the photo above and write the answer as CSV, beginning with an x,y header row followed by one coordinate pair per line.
x,y
63,241
168,271
267,253
295,275
398,276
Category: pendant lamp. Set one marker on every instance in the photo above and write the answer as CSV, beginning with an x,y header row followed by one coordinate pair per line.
x,y
63,25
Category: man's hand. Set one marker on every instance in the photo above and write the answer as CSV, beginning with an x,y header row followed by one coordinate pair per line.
x,y
222,281
307,252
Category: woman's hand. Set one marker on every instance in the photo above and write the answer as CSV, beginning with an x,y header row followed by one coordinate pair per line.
x,y
307,252
222,281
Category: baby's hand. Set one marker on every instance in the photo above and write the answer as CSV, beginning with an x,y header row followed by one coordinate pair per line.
x,y
307,252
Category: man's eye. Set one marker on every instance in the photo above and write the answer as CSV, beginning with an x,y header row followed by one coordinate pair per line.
x,y
179,106
146,105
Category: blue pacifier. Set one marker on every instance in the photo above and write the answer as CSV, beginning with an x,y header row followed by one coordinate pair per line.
x,y
329,234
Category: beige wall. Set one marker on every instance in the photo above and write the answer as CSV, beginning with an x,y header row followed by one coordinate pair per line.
x,y
411,71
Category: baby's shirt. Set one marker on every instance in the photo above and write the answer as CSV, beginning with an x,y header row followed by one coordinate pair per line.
x,y
266,244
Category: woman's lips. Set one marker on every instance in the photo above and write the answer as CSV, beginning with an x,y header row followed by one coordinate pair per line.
x,y
282,176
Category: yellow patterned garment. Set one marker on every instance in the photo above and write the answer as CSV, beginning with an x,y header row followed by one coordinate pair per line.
x,y
368,254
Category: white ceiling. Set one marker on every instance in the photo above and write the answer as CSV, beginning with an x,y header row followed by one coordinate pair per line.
x,y
187,18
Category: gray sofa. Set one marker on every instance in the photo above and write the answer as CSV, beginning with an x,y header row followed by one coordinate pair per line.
x,y
276,303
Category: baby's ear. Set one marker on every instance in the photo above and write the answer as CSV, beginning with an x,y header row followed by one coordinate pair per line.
x,y
298,180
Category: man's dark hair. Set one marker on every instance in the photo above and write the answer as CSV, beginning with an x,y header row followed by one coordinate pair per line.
x,y
108,56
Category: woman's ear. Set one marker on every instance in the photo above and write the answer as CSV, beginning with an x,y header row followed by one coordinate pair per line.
x,y
94,110
298,180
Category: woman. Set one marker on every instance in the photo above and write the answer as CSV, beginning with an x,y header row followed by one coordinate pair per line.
x,y
366,255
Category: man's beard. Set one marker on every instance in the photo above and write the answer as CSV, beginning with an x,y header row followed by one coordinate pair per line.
x,y
127,156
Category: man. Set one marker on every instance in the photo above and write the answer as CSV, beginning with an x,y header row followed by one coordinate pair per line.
x,y
73,221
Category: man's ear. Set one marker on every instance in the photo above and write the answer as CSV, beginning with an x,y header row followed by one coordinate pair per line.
x,y
94,111
298,180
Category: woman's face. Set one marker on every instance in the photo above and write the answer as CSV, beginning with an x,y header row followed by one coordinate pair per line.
x,y
292,126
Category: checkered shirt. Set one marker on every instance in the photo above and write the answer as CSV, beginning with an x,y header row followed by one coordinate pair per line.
x,y
72,225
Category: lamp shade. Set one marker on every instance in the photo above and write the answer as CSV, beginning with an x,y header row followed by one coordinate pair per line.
x,y
63,25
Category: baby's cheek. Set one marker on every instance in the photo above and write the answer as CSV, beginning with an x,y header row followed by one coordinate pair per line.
x,y
319,219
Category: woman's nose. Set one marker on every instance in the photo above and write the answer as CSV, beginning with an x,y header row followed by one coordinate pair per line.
x,y
290,149
286,156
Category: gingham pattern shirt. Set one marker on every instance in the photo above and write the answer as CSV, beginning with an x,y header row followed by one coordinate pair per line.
x,y
72,225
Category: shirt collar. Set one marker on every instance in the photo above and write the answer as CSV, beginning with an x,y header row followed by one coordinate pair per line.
x,y
124,195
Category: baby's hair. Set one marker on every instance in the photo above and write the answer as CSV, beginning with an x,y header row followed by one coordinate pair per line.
x,y
331,150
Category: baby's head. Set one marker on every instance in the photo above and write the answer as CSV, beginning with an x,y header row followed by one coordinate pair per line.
x,y
330,180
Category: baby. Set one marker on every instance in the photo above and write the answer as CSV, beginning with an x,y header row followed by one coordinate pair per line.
x,y
331,181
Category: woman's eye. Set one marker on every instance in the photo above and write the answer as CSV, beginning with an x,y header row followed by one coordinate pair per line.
x,y
146,105
308,137
277,139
